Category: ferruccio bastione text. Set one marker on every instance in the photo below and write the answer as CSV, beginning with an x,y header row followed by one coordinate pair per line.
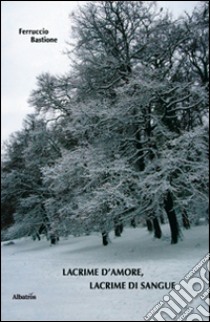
x,y
38,35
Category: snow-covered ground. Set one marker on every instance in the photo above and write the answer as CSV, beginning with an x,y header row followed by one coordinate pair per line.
x,y
37,267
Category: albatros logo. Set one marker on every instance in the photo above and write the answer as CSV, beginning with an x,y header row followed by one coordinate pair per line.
x,y
177,305
29,296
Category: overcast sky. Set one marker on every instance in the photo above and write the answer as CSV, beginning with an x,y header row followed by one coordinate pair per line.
x,y
22,60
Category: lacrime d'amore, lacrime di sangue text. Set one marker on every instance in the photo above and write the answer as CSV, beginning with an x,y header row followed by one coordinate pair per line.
x,y
38,35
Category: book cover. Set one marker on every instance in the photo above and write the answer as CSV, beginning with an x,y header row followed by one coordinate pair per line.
x,y
104,195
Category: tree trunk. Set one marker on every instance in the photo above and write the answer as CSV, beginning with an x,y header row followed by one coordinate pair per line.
x,y
133,222
157,229
105,238
140,160
185,219
174,226
149,225
54,239
162,220
118,227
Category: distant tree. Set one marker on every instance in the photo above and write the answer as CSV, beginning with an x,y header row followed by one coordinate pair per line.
x,y
28,152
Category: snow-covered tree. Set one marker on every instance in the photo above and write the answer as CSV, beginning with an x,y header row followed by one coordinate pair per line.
x,y
124,134
125,117
31,149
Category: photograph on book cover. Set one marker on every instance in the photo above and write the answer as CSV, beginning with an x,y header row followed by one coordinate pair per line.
x,y
104,195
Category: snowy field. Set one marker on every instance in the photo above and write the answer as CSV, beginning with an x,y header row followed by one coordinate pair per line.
x,y
37,267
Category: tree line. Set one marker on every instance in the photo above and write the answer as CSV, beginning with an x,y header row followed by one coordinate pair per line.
x,y
122,136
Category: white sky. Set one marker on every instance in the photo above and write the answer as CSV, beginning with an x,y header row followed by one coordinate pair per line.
x,y
22,60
